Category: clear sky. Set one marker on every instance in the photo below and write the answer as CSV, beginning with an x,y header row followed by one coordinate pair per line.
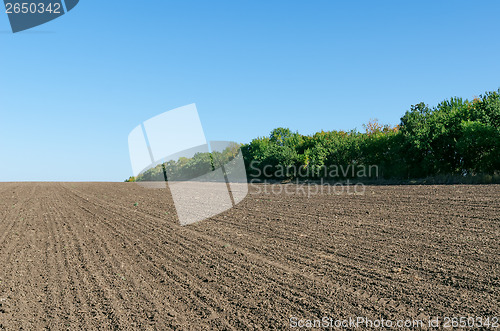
x,y
71,90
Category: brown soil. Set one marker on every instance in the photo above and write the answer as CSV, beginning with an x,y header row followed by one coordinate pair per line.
x,y
111,255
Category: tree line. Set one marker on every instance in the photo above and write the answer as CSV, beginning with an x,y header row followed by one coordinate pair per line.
x,y
457,137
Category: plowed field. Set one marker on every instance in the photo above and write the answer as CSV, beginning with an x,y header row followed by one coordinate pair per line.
x,y
112,256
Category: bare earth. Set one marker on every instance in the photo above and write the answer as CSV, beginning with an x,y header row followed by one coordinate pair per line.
x,y
112,256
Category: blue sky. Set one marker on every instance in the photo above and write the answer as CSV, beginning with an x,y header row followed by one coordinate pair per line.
x,y
72,89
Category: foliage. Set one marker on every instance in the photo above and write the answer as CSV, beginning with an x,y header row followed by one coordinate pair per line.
x,y
455,138
187,168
